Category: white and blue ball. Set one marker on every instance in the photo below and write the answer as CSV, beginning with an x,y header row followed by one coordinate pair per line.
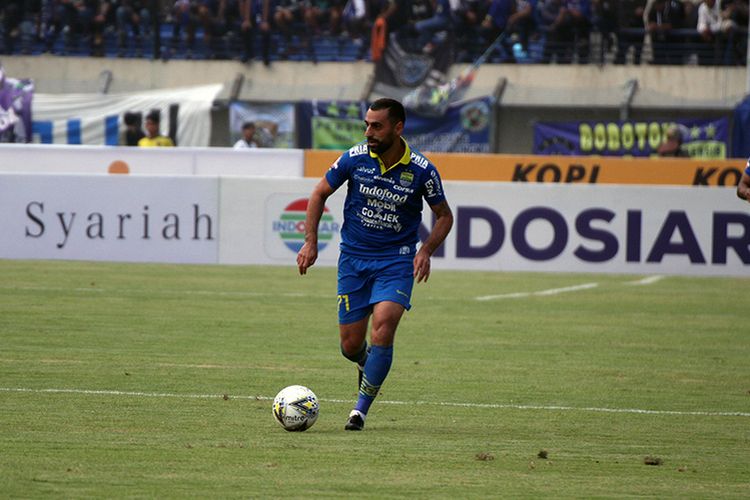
x,y
296,408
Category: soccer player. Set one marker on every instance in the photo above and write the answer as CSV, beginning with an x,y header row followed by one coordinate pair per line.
x,y
743,188
378,263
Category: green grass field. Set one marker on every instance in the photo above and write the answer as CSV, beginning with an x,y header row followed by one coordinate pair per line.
x,y
125,380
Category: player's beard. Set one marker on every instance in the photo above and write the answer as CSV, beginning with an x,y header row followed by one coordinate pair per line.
x,y
380,146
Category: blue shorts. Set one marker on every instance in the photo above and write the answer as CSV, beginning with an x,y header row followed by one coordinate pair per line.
x,y
363,283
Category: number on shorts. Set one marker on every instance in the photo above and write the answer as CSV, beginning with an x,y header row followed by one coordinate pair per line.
x,y
344,299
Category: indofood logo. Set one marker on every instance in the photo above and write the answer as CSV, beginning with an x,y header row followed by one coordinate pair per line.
x,y
291,226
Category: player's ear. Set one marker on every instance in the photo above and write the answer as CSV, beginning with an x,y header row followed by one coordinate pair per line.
x,y
399,128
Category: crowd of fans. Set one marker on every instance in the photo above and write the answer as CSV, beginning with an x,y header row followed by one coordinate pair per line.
x,y
676,31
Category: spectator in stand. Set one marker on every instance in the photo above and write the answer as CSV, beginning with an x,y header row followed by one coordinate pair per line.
x,y
631,31
420,10
153,137
396,14
515,18
184,19
31,25
737,11
103,17
133,131
400,17
717,30
52,23
441,21
580,19
663,18
248,137
76,19
604,18
11,14
212,17
287,15
20,21
568,26
468,19
672,145
690,11
136,16
326,13
356,21
255,15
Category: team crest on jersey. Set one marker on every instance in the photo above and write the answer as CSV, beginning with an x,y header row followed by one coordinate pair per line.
x,y
406,179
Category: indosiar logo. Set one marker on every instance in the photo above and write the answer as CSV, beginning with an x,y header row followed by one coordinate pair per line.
x,y
291,226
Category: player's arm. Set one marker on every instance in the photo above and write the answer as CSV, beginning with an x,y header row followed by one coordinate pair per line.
x,y
308,254
443,225
743,188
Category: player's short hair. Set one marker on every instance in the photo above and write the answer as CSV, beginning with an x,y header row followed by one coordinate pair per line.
x,y
396,111
248,125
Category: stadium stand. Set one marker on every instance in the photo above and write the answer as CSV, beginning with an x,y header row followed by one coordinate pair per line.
x,y
601,90
29,27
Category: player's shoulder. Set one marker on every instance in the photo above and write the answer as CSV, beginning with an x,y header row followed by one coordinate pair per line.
x,y
358,149
419,160
353,154
351,158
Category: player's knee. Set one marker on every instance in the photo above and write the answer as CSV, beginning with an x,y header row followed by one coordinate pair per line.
x,y
383,336
351,344
355,351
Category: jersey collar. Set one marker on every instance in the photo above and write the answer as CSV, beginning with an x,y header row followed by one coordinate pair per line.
x,y
405,159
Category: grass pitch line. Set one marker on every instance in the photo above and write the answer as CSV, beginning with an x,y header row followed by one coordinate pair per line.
x,y
648,280
496,406
541,293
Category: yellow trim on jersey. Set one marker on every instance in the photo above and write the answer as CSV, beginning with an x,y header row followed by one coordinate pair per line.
x,y
405,159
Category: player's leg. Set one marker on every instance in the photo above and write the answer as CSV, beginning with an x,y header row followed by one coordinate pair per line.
x,y
354,344
391,294
354,290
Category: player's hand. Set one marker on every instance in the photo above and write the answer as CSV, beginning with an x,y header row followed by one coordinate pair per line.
x,y
307,256
422,266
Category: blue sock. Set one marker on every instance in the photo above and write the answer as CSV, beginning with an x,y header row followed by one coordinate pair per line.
x,y
376,370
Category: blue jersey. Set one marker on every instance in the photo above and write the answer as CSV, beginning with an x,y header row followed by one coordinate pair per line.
x,y
383,207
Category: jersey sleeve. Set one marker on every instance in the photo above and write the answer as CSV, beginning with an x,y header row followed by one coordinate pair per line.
x,y
338,172
433,187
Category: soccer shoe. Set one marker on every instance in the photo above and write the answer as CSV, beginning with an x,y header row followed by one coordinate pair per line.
x,y
356,421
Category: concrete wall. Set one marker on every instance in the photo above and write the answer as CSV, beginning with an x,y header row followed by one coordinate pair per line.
x,y
541,85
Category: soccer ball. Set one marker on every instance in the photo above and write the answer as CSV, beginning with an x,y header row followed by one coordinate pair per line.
x,y
295,408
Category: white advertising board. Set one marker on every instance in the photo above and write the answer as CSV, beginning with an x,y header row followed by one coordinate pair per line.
x,y
250,162
43,158
263,221
110,218
498,226
512,227
597,228
54,159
